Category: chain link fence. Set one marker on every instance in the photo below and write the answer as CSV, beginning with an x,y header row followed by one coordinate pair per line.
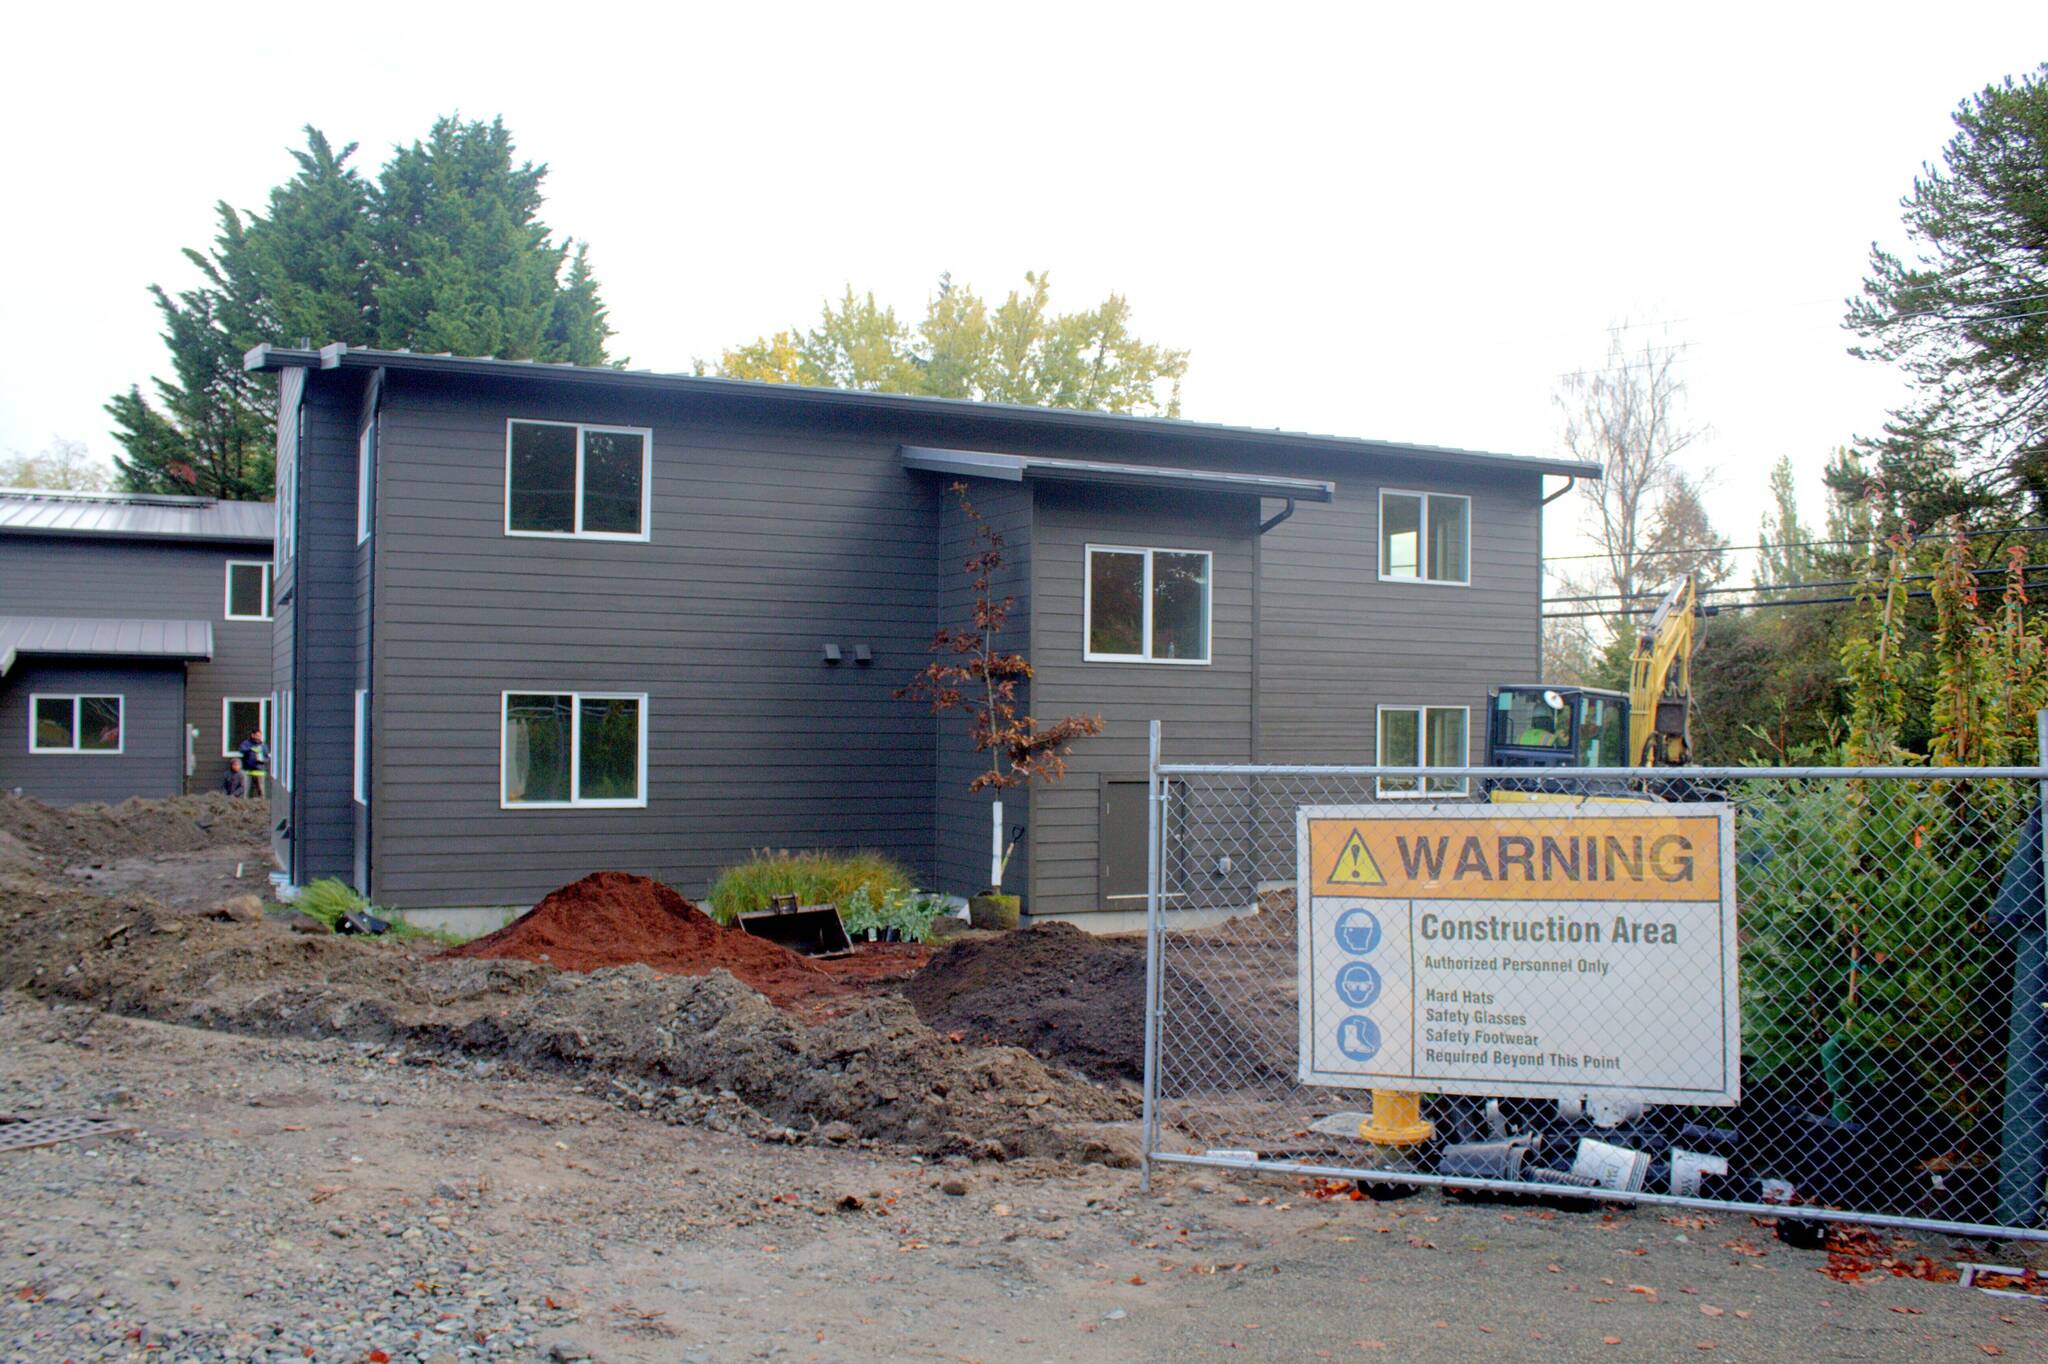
x,y
1758,989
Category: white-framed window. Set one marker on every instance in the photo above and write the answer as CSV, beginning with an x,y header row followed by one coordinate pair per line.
x,y
1423,736
362,750
366,486
572,749
1146,605
248,590
74,723
238,716
566,480
1425,537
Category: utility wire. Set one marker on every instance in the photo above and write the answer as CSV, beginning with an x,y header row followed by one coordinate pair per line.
x,y
1747,605
1791,544
1989,571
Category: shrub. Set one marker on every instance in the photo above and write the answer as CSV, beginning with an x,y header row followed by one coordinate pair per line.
x,y
1863,952
328,899
814,877
910,912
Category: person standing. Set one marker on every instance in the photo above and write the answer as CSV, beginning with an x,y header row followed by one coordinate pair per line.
x,y
255,757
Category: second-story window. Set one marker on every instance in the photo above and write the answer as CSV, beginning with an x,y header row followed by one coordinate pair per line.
x,y
1146,605
567,479
1425,537
248,596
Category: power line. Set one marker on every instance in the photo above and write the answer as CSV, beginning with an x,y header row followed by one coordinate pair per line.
x,y
1749,605
1988,571
1789,544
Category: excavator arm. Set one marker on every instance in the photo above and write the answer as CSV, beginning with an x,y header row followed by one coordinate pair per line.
x,y
1660,680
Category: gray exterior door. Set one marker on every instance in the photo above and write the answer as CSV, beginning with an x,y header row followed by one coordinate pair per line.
x,y
1124,829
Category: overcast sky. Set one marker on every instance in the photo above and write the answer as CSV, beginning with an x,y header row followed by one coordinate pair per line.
x,y
1360,221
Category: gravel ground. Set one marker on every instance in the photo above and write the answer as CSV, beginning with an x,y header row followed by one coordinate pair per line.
x,y
320,1200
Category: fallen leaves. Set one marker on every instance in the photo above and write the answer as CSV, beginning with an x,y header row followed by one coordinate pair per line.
x,y
1709,1310
1856,1251
1749,1248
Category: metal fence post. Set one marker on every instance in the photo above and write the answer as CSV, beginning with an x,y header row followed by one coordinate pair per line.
x,y
2022,1158
1153,856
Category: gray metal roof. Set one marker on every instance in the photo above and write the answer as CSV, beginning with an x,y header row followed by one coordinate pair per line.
x,y
798,397
134,516
1017,468
84,637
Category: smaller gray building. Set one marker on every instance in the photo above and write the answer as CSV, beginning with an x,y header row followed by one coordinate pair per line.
x,y
134,641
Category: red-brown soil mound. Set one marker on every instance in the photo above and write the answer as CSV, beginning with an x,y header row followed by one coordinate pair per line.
x,y
612,918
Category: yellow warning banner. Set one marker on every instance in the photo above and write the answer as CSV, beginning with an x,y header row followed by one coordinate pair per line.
x,y
1504,857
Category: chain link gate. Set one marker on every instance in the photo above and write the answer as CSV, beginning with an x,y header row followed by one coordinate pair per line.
x,y
1892,1008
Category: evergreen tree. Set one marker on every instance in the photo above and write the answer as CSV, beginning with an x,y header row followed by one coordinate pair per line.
x,y
445,251
1965,319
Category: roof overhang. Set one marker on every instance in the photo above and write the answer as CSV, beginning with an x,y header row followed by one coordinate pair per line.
x,y
88,637
1023,468
798,398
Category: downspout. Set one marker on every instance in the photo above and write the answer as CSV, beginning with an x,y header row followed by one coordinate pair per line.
x,y
370,642
1570,481
1276,519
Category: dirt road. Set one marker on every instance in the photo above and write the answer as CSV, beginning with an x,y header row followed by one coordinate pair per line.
x,y
294,1199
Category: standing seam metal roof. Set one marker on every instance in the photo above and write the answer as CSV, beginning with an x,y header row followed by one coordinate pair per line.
x,y
83,636
135,516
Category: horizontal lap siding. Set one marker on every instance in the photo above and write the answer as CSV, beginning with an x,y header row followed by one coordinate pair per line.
x,y
54,576
763,549
1336,643
152,757
1205,709
324,703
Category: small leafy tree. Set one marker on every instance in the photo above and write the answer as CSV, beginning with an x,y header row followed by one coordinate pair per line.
x,y
972,673
1866,963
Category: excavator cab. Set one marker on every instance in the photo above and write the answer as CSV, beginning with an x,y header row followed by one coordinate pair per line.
x,y
1538,726
1541,727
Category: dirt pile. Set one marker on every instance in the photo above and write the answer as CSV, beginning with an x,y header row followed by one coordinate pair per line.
x,y
93,832
1067,996
1073,998
876,1068
612,918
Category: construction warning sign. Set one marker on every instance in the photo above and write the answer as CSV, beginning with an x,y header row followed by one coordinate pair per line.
x,y
1532,949
1519,856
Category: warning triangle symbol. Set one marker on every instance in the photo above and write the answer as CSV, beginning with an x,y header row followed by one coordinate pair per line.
x,y
1355,866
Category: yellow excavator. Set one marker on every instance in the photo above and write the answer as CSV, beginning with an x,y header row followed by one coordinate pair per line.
x,y
1539,726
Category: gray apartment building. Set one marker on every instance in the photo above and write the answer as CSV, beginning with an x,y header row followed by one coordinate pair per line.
x,y
538,620
135,641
